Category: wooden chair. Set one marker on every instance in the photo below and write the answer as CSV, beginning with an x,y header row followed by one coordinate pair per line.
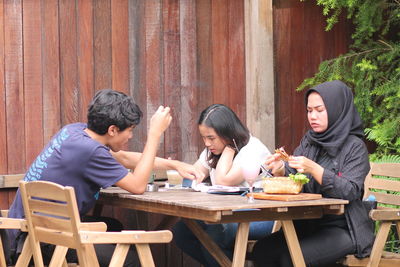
x,y
383,214
11,223
52,217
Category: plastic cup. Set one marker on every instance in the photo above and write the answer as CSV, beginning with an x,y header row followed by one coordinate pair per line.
x,y
174,177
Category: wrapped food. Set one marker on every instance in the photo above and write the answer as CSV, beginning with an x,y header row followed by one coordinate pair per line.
x,y
284,185
282,153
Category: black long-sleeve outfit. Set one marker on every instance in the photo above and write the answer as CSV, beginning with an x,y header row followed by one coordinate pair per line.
x,y
325,240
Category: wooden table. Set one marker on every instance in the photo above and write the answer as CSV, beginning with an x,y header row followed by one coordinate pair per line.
x,y
214,208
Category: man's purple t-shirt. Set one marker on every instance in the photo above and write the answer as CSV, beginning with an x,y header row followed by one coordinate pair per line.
x,y
73,158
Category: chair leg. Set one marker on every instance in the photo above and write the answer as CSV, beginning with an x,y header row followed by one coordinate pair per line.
x,y
277,225
37,253
119,255
145,257
2,256
26,254
87,256
379,244
58,257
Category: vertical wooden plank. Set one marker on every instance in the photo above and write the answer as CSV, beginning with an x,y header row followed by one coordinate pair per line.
x,y
296,75
236,59
3,122
69,65
51,69
120,45
282,38
260,90
189,99
102,44
85,55
154,60
205,68
32,29
173,94
4,199
14,84
220,50
314,25
137,68
11,196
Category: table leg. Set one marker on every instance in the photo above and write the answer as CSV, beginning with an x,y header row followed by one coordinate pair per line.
x,y
167,223
293,243
208,243
242,235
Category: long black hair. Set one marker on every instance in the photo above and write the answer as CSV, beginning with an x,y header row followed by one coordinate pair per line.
x,y
227,126
110,107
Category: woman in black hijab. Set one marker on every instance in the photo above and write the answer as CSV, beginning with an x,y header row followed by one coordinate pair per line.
x,y
333,155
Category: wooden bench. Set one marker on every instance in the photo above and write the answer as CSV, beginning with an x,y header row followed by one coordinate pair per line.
x,y
387,216
11,223
10,180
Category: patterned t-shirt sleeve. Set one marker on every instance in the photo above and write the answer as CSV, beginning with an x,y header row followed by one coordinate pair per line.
x,y
103,170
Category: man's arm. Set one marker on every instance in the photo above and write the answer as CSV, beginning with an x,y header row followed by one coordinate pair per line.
x,y
130,160
136,182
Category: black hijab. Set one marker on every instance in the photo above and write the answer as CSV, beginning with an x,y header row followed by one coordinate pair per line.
x,y
343,117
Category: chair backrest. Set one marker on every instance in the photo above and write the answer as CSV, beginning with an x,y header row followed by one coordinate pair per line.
x,y
52,216
382,181
50,208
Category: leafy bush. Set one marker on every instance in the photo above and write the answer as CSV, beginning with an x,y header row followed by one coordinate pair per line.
x,y
371,67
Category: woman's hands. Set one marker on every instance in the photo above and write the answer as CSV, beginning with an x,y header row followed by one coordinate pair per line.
x,y
275,164
300,163
306,165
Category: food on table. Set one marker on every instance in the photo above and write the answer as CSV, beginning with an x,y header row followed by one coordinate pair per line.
x,y
282,153
285,185
299,177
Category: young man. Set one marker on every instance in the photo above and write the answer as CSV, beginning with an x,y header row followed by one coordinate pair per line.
x,y
81,155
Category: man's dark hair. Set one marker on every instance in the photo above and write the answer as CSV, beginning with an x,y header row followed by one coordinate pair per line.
x,y
109,107
227,126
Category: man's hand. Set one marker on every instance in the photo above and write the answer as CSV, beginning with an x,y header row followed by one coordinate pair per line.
x,y
160,121
189,171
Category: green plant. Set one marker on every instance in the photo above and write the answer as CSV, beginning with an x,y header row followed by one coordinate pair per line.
x,y
371,67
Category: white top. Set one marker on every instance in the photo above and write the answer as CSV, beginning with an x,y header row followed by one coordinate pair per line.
x,y
254,149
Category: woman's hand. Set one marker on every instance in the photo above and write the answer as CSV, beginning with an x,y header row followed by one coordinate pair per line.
x,y
305,165
275,164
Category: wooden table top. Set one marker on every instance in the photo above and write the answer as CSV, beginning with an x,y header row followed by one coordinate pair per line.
x,y
219,208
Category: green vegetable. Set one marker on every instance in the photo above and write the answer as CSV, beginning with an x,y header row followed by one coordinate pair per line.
x,y
299,177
